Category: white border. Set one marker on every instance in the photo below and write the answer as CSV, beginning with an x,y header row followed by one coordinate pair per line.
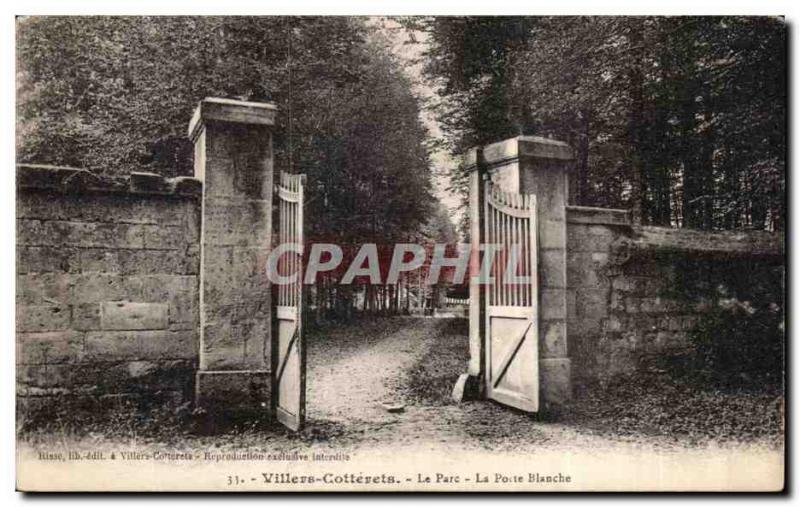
x,y
375,7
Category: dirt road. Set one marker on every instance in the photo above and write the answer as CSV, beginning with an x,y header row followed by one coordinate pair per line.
x,y
354,370
606,441
354,377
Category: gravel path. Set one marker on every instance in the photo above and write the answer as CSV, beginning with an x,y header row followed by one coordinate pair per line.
x,y
348,385
354,369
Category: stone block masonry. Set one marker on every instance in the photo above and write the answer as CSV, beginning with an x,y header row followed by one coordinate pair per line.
x,y
131,286
107,284
536,166
233,156
136,285
623,306
609,291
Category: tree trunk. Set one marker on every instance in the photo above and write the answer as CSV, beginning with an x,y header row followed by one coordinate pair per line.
x,y
636,123
692,186
580,181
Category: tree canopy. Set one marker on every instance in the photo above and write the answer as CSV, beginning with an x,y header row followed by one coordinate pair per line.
x,y
681,119
114,94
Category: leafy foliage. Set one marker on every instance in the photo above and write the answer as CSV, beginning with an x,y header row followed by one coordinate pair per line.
x,y
114,94
740,335
680,409
681,119
738,341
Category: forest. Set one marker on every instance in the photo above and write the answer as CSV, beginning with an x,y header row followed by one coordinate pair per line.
x,y
115,94
680,119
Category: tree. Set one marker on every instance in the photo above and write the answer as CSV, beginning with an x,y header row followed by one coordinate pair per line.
x,y
114,94
680,119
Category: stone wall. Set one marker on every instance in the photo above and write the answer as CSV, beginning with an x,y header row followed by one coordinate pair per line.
x,y
143,284
625,302
107,284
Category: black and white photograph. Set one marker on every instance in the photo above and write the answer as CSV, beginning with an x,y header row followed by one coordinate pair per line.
x,y
400,253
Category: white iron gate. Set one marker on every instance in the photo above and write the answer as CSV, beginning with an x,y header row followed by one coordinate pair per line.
x,y
512,341
288,353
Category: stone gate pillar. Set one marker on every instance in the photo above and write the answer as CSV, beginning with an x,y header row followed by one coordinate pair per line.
x,y
530,165
233,158
543,170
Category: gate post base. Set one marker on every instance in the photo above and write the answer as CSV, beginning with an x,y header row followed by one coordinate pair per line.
x,y
556,384
225,397
467,388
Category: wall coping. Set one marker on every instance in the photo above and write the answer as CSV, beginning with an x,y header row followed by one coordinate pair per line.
x,y
598,216
72,180
648,238
751,244
231,111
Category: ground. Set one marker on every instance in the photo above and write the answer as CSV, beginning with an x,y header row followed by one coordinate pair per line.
x,y
651,431
414,362
355,371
